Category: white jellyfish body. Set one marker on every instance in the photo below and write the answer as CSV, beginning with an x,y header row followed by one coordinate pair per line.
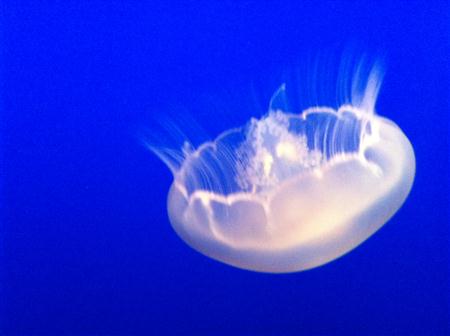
x,y
290,192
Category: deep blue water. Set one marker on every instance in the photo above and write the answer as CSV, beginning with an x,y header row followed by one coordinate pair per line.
x,y
86,246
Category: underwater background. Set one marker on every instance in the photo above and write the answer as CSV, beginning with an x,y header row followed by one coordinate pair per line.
x,y
86,247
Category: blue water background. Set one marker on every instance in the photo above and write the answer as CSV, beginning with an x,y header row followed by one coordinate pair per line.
x,y
86,246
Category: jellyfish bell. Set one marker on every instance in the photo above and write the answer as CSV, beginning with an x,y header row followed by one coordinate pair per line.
x,y
290,192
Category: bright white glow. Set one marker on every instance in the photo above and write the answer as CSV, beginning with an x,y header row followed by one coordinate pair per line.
x,y
289,192
287,150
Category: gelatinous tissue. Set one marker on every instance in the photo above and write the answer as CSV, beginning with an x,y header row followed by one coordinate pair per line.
x,y
291,191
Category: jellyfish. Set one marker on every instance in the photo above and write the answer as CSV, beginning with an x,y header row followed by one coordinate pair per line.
x,y
291,191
